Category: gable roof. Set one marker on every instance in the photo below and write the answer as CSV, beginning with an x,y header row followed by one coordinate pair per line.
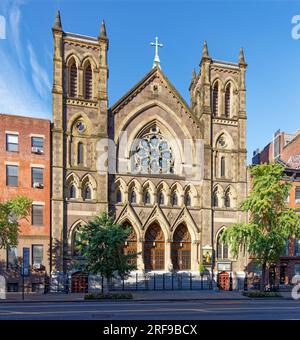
x,y
149,77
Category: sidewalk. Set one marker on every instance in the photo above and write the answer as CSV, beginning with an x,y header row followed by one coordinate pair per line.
x,y
34,297
137,296
187,295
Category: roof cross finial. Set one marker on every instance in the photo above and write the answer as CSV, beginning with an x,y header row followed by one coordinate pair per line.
x,y
156,58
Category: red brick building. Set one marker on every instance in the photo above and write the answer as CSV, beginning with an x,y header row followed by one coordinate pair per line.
x,y
285,148
25,170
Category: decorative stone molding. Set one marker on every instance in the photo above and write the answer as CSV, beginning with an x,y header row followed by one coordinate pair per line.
x,y
78,102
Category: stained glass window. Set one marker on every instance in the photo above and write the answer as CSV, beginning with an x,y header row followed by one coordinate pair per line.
x,y
153,154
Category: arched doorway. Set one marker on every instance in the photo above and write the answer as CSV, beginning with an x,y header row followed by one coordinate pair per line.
x,y
181,248
130,246
154,248
79,283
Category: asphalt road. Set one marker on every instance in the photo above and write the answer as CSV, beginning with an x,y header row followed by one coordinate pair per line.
x,y
196,310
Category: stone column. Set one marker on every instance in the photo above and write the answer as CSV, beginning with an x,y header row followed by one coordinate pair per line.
x,y
140,258
168,259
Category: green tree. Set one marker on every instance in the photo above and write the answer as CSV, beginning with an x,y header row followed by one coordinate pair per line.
x,y
271,223
11,212
102,247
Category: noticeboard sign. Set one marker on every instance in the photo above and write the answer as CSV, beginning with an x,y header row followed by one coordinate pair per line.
x,y
224,266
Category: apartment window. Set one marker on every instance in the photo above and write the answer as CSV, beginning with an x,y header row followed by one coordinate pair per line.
x,y
285,250
287,199
37,176
297,269
297,247
12,257
297,195
37,254
37,144
12,287
37,215
12,143
12,175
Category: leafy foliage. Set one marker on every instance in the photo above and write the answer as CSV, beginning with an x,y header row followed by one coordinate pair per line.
x,y
110,296
102,242
11,212
271,223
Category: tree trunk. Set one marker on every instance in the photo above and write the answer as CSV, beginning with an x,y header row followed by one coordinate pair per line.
x,y
263,277
106,285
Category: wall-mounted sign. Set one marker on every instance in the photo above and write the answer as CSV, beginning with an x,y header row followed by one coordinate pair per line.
x,y
207,255
224,266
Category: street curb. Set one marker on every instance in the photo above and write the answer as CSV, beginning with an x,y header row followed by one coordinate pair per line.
x,y
125,300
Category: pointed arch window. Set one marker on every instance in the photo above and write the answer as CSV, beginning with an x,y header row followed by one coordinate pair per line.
x,y
215,200
223,166
133,197
161,198
78,246
72,191
215,99
80,153
222,248
187,200
227,100
119,196
174,199
147,197
88,82
227,200
73,78
87,192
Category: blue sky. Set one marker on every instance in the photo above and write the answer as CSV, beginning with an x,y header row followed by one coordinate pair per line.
x,y
263,28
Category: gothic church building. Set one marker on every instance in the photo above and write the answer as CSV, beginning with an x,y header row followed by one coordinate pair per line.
x,y
180,170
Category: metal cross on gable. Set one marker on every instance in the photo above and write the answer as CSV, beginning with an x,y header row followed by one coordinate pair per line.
x,y
156,57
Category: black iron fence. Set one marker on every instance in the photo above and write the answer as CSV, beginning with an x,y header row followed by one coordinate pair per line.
x,y
143,282
165,281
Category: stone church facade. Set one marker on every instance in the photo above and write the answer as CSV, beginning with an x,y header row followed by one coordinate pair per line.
x,y
174,173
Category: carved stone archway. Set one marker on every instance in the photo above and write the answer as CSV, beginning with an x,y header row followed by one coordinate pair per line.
x,y
154,248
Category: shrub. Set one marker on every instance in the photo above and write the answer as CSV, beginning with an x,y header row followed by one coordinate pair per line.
x,y
109,296
259,294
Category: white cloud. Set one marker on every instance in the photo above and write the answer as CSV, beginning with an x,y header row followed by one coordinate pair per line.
x,y
24,83
14,24
39,75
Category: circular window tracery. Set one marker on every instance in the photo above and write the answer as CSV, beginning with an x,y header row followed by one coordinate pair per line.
x,y
80,126
153,154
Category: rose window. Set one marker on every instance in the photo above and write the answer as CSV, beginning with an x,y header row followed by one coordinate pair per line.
x,y
153,154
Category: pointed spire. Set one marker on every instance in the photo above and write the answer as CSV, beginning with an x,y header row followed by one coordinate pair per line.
x,y
194,75
57,24
103,31
205,53
242,57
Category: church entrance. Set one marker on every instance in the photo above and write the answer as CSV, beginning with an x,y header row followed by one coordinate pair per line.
x,y
154,248
130,246
181,248
79,283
